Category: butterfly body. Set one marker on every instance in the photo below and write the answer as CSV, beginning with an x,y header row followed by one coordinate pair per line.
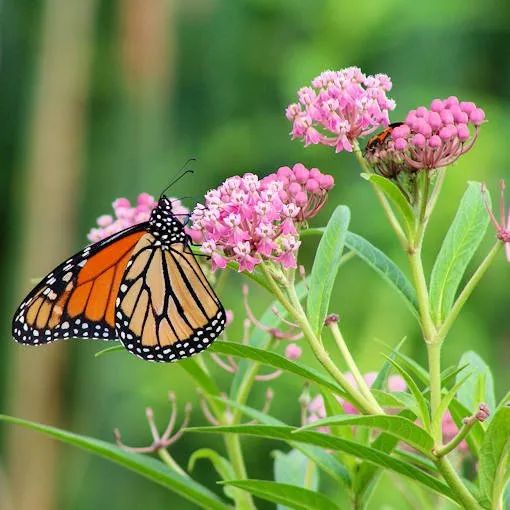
x,y
141,286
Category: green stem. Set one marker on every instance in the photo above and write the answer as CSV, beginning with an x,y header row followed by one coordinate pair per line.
x,y
244,500
434,360
460,490
346,354
295,310
467,425
467,290
388,211
170,462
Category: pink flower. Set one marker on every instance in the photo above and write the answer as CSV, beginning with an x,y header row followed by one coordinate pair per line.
x,y
437,136
127,215
293,352
503,226
247,220
340,107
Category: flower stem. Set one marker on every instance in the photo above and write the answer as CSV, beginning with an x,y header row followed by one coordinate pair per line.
x,y
358,377
467,425
463,495
468,289
170,462
434,360
295,310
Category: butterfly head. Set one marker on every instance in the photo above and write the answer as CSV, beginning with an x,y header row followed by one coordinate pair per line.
x,y
164,225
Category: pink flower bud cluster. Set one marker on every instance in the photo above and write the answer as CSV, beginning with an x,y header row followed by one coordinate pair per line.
x,y
340,107
305,188
437,136
247,219
126,215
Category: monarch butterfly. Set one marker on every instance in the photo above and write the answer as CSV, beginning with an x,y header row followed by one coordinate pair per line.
x,y
142,286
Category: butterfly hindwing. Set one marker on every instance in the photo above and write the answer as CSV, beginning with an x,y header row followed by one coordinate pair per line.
x,y
166,310
77,299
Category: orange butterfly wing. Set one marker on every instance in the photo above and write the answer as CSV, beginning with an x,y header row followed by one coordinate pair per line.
x,y
77,299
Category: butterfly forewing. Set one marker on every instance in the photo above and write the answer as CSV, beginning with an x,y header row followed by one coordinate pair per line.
x,y
77,299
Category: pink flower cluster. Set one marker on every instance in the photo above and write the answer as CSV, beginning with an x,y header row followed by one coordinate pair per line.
x,y
248,219
340,107
437,136
126,215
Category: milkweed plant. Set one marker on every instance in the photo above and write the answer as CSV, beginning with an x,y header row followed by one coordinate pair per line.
x,y
438,431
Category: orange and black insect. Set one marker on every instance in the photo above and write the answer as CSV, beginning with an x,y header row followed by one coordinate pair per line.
x,y
141,286
380,138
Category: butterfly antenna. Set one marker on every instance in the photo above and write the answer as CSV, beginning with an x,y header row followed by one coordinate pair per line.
x,y
180,174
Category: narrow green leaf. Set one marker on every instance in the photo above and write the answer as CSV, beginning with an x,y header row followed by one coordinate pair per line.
x,y
276,361
480,385
446,401
385,267
494,468
459,245
379,262
396,400
367,453
397,199
417,394
325,267
141,464
385,370
397,426
285,494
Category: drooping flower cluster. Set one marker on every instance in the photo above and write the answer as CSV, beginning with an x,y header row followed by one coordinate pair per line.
x,y
503,225
248,219
340,107
437,136
126,215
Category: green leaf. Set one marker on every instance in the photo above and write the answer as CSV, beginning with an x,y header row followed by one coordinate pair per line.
x,y
494,467
460,244
480,385
379,262
325,267
397,199
397,426
220,464
276,361
284,494
395,400
141,464
385,267
367,453
417,394
329,464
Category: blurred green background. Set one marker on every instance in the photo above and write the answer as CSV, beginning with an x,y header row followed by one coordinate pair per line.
x,y
102,99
